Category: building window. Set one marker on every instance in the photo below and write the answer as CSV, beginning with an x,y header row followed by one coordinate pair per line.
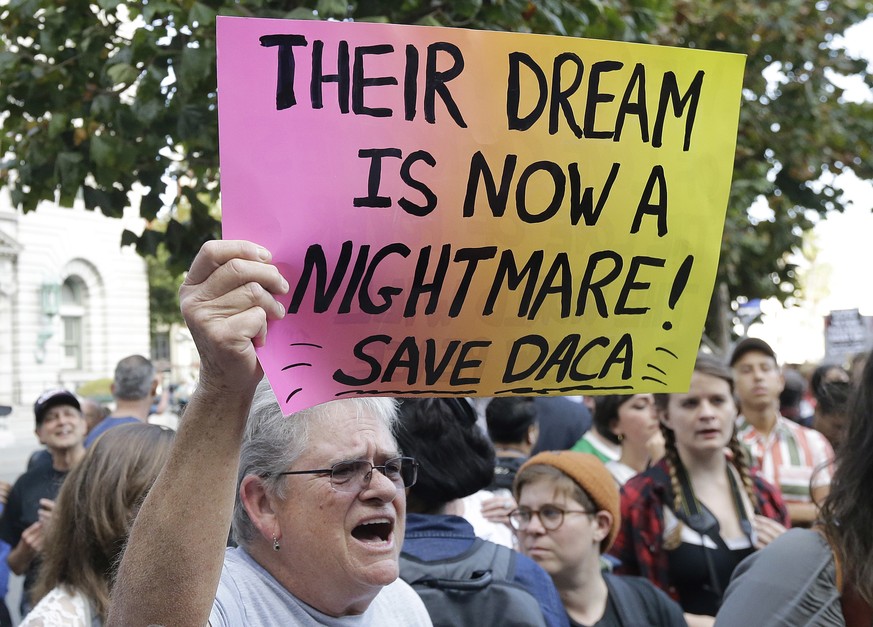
x,y
161,346
73,301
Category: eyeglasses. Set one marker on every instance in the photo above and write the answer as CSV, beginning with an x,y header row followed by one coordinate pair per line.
x,y
354,476
551,516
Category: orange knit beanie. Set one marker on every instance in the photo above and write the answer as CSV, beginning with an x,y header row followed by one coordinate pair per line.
x,y
589,473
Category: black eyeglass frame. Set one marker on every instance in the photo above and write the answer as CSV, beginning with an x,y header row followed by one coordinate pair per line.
x,y
517,526
367,477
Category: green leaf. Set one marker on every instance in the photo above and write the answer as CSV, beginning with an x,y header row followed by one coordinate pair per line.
x,y
332,8
201,15
122,73
58,123
301,13
102,151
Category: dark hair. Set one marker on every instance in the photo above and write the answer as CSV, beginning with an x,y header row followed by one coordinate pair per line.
x,y
509,418
606,414
847,509
818,379
455,456
834,396
95,510
795,388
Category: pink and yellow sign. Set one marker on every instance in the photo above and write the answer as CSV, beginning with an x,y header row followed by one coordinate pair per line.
x,y
476,213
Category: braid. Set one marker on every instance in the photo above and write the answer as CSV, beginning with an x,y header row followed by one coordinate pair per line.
x,y
671,457
740,462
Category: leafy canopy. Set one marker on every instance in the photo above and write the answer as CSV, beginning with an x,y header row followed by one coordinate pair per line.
x,y
108,97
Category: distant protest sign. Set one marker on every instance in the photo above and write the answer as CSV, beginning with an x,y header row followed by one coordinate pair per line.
x,y
466,213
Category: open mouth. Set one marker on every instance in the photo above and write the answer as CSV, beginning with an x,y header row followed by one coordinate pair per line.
x,y
378,530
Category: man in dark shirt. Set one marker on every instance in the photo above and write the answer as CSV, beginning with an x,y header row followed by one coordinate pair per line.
x,y
60,427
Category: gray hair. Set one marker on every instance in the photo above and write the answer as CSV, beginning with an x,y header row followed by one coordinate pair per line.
x,y
273,442
134,376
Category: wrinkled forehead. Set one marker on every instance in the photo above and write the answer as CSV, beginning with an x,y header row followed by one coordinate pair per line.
x,y
350,424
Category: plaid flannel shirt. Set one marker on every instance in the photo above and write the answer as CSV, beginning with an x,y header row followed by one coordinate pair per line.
x,y
640,541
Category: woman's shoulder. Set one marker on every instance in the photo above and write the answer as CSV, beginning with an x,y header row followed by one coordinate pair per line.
x,y
61,606
783,582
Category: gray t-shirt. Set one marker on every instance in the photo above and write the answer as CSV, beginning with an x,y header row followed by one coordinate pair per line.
x,y
790,582
249,596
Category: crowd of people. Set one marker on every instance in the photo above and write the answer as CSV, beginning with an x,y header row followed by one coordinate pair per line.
x,y
726,504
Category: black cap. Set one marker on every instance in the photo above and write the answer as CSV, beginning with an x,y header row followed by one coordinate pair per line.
x,y
53,398
749,344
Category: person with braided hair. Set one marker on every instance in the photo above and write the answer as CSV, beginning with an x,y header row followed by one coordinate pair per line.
x,y
691,518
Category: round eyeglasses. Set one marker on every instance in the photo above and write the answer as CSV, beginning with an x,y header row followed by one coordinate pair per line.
x,y
551,516
355,475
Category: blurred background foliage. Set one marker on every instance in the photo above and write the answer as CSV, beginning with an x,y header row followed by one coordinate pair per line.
x,y
116,100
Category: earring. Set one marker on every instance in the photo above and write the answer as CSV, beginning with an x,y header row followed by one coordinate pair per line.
x,y
275,543
620,437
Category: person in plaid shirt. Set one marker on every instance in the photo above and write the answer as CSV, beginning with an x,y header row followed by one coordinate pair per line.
x,y
704,472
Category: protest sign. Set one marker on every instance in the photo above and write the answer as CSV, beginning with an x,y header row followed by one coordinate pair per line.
x,y
467,213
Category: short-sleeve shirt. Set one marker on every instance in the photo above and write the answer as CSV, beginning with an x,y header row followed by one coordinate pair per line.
x,y
22,508
789,457
248,595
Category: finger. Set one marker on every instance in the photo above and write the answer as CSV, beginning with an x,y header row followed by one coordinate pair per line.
x,y
215,253
233,274
215,314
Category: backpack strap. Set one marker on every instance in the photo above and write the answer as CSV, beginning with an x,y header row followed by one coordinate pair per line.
x,y
627,602
485,557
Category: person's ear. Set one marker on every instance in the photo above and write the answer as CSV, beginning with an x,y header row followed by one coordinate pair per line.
x,y
603,525
259,505
664,418
533,432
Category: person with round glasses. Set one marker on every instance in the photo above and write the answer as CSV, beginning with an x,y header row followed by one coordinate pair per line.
x,y
316,500
568,515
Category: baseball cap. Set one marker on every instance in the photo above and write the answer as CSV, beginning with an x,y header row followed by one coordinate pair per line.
x,y
749,344
53,398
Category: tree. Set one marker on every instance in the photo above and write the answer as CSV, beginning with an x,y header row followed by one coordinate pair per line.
x,y
796,133
101,97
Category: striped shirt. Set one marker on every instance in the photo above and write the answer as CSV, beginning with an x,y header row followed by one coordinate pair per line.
x,y
789,457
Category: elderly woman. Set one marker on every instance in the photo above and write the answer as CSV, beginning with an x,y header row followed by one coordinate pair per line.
x,y
567,516
321,500
91,519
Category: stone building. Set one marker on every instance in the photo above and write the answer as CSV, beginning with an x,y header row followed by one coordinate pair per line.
x,y
72,300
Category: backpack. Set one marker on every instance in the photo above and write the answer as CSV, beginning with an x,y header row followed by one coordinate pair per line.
x,y
474,589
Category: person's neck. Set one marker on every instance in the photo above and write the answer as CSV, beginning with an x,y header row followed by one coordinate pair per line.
x,y
512,450
634,458
331,600
64,459
585,597
708,466
134,409
594,435
763,418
